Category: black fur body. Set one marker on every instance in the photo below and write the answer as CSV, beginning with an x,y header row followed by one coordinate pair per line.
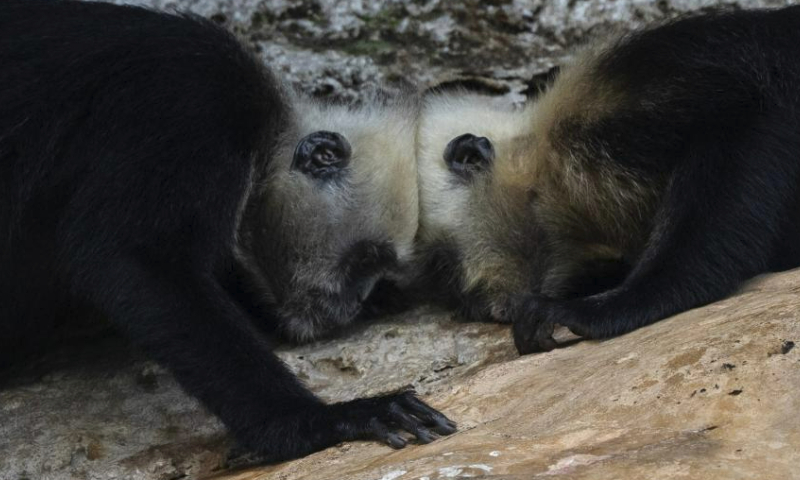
x,y
131,145
655,175
709,118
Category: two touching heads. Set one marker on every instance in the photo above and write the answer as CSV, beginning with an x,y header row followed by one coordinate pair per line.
x,y
409,191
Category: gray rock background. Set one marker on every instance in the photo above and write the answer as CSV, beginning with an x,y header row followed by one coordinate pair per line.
x,y
340,48
98,410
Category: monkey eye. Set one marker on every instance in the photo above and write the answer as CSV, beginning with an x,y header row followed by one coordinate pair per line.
x,y
467,155
322,154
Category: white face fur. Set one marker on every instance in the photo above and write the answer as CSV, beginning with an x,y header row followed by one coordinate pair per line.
x,y
476,217
326,241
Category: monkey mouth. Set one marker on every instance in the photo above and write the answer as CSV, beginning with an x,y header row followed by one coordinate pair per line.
x,y
316,311
363,265
365,262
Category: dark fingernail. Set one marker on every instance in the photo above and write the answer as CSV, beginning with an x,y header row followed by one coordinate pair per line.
x,y
395,441
447,429
424,435
445,426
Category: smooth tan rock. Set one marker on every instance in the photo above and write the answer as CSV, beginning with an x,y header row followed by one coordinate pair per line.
x,y
709,394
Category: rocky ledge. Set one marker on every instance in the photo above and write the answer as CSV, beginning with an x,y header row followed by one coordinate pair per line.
x,y
711,394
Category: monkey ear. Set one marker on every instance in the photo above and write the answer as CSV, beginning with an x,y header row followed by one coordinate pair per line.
x,y
322,155
467,155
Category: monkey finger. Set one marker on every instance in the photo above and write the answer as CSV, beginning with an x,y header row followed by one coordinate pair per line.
x,y
381,432
413,426
431,417
409,423
545,343
544,336
524,336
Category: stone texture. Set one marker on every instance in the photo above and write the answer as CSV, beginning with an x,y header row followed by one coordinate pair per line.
x,y
97,410
711,393
339,48
423,350
707,394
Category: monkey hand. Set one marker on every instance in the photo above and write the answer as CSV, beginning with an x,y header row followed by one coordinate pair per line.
x,y
533,325
382,418
535,318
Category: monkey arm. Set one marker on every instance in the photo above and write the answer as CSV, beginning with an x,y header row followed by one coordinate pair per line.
x,y
716,227
189,323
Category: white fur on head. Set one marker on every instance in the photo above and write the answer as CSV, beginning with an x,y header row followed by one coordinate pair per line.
x,y
482,219
311,223
443,201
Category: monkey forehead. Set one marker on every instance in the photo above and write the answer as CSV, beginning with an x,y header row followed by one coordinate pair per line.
x,y
446,204
364,123
380,133
383,168
377,196
449,115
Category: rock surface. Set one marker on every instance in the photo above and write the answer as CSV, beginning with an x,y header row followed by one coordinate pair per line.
x,y
339,48
711,394
100,411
